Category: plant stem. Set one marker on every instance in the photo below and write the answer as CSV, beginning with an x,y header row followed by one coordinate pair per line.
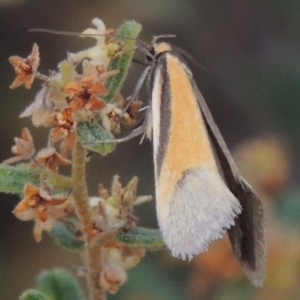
x,y
92,256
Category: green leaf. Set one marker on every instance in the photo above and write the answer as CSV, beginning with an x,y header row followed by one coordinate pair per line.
x,y
13,178
142,237
33,294
64,234
58,284
129,29
91,135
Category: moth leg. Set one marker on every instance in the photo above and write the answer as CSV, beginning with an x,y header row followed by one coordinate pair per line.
x,y
137,88
136,132
135,94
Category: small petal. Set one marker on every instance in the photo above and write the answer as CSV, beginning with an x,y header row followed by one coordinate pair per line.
x,y
142,199
31,190
72,88
50,158
95,103
41,213
26,215
22,206
132,257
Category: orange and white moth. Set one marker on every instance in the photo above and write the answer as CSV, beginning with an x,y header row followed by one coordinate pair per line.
x,y
199,191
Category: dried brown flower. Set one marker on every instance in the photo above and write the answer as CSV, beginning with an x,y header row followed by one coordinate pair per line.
x,y
23,148
63,131
36,202
84,94
51,159
25,68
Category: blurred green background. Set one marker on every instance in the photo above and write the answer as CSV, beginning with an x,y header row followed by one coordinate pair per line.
x,y
250,53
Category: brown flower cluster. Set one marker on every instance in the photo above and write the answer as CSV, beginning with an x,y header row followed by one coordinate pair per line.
x,y
78,85
111,213
76,92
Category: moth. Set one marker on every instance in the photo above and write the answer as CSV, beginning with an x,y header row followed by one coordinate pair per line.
x,y
199,191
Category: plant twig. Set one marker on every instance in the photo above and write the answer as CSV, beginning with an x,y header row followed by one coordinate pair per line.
x,y
80,195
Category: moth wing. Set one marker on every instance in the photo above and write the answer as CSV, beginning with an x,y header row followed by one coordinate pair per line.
x,y
194,204
247,236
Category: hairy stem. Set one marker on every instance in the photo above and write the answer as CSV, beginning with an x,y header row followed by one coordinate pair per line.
x,y
93,250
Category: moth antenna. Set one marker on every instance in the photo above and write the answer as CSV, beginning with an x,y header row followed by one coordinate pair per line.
x,y
74,33
60,32
139,62
157,37
189,57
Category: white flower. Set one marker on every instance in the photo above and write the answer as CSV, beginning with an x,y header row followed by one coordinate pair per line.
x,y
99,53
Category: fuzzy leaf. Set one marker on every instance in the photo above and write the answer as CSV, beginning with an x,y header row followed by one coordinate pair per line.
x,y
13,178
142,237
67,70
59,284
33,294
91,135
57,181
65,235
129,29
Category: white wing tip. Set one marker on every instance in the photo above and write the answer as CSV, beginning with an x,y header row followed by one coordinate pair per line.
x,y
199,212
